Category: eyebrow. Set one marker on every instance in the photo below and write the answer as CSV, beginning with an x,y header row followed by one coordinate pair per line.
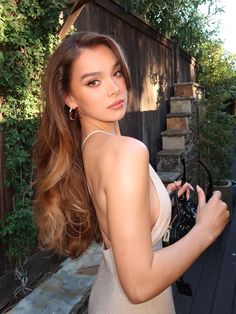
x,y
85,75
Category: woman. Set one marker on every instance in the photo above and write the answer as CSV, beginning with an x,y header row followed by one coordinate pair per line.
x,y
93,183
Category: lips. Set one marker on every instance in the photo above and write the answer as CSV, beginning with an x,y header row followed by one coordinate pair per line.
x,y
117,104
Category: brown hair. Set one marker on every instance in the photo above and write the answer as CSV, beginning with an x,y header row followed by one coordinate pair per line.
x,y
63,209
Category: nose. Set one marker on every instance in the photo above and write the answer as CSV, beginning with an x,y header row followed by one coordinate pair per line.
x,y
114,87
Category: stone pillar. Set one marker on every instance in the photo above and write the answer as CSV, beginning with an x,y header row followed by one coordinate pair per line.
x,y
180,138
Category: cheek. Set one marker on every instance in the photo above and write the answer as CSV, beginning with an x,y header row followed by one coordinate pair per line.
x,y
94,100
91,103
123,86
86,98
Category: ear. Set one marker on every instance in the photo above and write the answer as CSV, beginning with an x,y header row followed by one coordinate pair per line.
x,y
70,102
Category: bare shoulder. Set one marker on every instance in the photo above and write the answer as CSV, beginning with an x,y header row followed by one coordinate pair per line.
x,y
121,147
123,154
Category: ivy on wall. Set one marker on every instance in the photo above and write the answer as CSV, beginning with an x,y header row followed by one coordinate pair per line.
x,y
28,34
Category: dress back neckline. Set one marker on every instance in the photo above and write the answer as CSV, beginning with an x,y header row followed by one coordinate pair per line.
x,y
90,134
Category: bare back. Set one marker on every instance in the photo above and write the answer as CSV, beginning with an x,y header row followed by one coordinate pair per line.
x,y
122,231
100,152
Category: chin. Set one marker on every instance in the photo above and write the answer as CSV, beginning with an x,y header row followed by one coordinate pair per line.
x,y
121,115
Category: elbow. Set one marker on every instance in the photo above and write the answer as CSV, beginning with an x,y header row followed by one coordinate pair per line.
x,y
141,293
132,292
134,298
137,295
140,288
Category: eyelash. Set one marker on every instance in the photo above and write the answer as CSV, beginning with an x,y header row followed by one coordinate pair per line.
x,y
91,83
120,73
117,74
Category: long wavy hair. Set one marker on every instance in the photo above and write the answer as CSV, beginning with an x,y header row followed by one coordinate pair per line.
x,y
64,211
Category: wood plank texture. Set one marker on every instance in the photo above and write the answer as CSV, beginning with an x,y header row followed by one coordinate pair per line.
x,y
212,278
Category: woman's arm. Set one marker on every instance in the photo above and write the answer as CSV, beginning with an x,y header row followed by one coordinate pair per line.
x,y
142,273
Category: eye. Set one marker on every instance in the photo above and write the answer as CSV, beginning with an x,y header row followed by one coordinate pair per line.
x,y
93,83
118,73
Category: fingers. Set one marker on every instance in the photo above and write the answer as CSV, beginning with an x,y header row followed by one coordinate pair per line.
x,y
201,197
178,184
175,186
187,187
213,215
227,215
217,194
217,197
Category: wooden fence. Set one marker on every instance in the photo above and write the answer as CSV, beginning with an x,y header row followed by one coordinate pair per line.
x,y
156,63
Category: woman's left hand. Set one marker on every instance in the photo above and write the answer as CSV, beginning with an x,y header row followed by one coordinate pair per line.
x,y
176,186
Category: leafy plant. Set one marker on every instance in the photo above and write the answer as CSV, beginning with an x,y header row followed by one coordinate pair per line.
x,y
218,75
14,233
181,20
28,33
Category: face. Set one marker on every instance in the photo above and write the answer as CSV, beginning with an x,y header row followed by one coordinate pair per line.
x,y
97,86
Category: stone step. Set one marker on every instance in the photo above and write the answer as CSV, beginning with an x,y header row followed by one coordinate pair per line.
x,y
169,160
67,290
189,89
178,120
175,139
168,177
82,306
181,104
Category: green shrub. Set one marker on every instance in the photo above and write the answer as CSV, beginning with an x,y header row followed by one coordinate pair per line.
x,y
28,34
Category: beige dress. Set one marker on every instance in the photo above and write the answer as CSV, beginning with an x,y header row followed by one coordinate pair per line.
x,y
107,295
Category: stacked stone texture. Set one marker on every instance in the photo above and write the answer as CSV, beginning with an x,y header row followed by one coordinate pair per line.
x,y
180,138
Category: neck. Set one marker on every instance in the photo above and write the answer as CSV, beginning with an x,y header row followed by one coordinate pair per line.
x,y
88,125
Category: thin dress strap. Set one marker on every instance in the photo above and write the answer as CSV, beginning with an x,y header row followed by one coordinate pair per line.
x,y
90,134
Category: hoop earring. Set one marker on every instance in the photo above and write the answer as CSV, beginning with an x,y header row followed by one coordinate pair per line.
x,y
72,114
